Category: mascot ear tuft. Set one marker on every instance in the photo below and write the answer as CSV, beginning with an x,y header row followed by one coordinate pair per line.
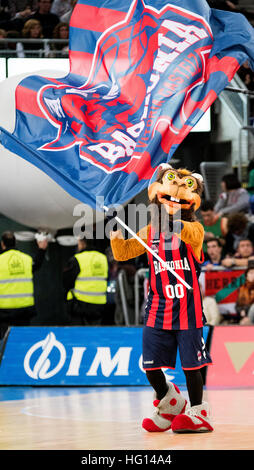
x,y
198,177
162,166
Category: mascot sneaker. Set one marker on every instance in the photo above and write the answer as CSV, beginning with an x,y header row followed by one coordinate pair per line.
x,y
195,419
166,410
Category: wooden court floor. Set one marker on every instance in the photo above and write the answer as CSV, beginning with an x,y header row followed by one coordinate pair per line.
x,y
108,418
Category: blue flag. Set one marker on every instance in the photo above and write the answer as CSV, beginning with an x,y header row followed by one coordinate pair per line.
x,y
142,74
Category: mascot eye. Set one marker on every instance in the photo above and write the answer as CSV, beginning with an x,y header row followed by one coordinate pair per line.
x,y
189,182
171,176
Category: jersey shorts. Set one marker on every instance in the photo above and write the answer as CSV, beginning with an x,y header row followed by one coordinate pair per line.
x,y
160,348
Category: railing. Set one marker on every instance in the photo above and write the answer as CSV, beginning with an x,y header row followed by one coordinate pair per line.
x,y
10,47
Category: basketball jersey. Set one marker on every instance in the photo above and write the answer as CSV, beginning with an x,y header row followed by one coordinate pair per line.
x,y
170,305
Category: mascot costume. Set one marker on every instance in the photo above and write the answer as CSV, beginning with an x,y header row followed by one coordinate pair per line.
x,y
174,316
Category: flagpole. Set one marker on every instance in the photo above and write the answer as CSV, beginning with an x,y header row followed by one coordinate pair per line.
x,y
240,90
164,263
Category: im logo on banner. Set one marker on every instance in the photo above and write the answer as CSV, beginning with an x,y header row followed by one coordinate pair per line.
x,y
65,356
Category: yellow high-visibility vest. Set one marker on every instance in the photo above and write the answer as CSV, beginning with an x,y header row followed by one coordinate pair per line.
x,y
16,280
91,283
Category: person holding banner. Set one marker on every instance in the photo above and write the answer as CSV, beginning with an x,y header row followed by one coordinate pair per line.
x,y
174,315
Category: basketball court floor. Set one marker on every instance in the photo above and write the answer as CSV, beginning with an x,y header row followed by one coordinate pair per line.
x,y
109,418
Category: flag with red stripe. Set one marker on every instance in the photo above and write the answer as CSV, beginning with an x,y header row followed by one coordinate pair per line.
x,y
142,74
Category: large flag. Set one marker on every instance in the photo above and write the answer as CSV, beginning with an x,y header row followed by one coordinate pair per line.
x,y
142,73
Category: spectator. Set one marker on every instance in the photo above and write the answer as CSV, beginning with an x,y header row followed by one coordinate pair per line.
x,y
16,286
47,19
249,81
85,285
60,7
33,30
213,224
18,12
245,299
61,31
243,254
214,252
233,198
238,227
13,14
14,48
12,25
67,16
244,70
5,14
22,8
3,35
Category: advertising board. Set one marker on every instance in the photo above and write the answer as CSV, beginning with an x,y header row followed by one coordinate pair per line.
x,y
77,356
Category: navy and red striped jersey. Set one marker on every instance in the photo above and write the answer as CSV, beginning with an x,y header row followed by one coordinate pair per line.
x,y
170,305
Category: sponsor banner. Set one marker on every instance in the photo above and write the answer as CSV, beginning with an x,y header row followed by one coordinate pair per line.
x,y
77,356
232,350
223,286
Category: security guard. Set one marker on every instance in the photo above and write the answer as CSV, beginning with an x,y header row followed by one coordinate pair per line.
x,y
85,284
16,282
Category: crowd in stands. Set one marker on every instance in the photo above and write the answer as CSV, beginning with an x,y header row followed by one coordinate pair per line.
x,y
229,239
54,17
35,20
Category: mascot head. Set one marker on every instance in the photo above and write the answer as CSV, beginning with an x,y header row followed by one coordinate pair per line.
x,y
176,190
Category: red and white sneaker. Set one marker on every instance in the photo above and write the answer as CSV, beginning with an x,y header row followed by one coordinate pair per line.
x,y
195,419
167,409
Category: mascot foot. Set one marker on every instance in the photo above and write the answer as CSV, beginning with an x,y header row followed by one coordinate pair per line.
x,y
166,410
195,419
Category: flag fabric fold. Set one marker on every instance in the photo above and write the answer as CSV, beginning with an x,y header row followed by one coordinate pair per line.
x,y
142,74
